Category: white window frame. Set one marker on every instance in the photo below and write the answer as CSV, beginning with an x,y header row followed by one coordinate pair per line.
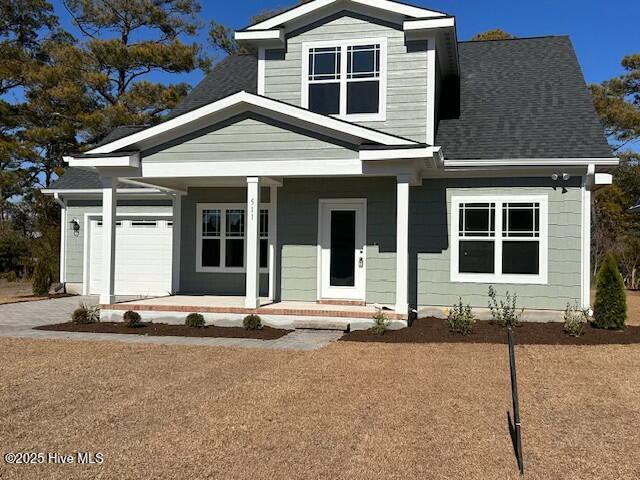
x,y
344,44
223,207
498,278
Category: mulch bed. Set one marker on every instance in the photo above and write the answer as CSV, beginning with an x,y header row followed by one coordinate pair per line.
x,y
433,330
165,330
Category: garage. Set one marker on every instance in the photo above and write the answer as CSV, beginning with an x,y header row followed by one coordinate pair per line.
x,y
143,256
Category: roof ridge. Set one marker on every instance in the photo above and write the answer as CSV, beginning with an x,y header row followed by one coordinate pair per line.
x,y
537,37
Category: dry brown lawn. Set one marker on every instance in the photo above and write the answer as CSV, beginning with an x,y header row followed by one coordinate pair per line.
x,y
348,411
20,291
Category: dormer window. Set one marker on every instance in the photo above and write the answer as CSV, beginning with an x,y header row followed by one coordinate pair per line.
x,y
346,79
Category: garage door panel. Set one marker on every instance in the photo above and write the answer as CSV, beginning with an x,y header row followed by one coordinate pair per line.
x,y
143,258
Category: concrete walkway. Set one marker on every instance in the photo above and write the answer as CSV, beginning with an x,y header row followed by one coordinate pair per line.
x,y
17,320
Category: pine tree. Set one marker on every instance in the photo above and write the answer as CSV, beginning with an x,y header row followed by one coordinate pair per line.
x,y
495,34
610,310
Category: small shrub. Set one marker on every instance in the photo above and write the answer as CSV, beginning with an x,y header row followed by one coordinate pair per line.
x,y
252,322
86,314
10,276
504,312
132,319
42,277
575,318
381,323
194,320
461,319
610,309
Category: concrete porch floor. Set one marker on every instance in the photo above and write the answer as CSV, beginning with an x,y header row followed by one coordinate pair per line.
x,y
230,310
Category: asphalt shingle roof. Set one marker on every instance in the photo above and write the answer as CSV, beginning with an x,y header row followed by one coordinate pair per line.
x,y
522,98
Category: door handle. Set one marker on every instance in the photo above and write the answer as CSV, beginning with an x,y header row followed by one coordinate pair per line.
x,y
361,262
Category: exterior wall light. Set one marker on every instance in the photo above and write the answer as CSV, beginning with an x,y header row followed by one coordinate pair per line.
x,y
75,226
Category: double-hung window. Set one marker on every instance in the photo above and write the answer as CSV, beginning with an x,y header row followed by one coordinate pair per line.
x,y
345,79
221,238
499,239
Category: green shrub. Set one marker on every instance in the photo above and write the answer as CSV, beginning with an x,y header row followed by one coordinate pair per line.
x,y
575,318
610,309
10,276
461,319
252,322
42,277
86,314
194,320
132,319
381,323
504,312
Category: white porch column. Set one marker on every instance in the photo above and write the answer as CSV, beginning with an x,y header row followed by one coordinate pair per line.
x,y
252,295
177,230
109,202
273,240
402,244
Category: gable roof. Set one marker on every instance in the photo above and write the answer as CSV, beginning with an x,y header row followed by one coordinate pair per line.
x,y
521,98
298,11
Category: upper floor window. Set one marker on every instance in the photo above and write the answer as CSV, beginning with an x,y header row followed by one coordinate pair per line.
x,y
346,79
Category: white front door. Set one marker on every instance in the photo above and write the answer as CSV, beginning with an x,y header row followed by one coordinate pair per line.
x,y
342,237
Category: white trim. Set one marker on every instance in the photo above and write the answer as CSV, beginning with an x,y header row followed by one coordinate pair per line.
x,y
252,244
273,240
176,240
530,162
222,206
431,91
98,191
261,70
603,179
132,160
585,218
276,35
402,244
413,25
397,154
498,277
250,100
359,290
381,115
307,8
109,202
63,240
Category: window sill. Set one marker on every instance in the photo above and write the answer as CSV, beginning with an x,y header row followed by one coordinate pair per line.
x,y
498,279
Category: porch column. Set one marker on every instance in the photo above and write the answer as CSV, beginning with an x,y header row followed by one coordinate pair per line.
x,y
109,202
252,295
402,244
273,240
177,230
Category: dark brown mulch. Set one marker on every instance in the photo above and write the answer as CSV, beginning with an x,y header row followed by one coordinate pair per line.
x,y
165,330
433,330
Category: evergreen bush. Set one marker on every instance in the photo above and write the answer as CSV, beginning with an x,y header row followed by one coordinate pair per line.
x,y
610,309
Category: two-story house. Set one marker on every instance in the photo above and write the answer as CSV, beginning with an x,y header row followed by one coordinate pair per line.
x,y
363,156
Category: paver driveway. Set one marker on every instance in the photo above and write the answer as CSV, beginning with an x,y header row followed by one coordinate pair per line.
x,y
18,320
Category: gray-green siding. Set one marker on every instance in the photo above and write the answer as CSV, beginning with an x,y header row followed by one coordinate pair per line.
x,y
216,283
74,253
298,203
249,140
430,233
406,78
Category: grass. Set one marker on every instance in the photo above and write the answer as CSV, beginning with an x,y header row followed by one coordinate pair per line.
x,y
20,291
350,410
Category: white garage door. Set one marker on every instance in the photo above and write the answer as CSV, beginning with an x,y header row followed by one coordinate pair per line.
x,y
143,257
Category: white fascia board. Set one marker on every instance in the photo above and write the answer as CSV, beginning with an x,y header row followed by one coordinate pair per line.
x,y
98,191
429,24
531,162
397,154
131,160
307,8
276,36
248,99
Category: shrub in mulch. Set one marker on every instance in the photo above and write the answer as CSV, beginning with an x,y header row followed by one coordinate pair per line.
x,y
86,314
165,330
252,322
434,330
610,308
132,319
194,320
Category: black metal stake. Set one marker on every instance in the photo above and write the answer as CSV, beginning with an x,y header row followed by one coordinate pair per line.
x,y
514,425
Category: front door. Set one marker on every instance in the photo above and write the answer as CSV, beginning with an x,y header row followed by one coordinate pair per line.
x,y
343,226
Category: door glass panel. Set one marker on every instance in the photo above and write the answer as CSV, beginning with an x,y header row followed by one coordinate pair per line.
x,y
343,248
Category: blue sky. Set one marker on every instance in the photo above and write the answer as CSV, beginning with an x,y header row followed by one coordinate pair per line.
x,y
602,31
